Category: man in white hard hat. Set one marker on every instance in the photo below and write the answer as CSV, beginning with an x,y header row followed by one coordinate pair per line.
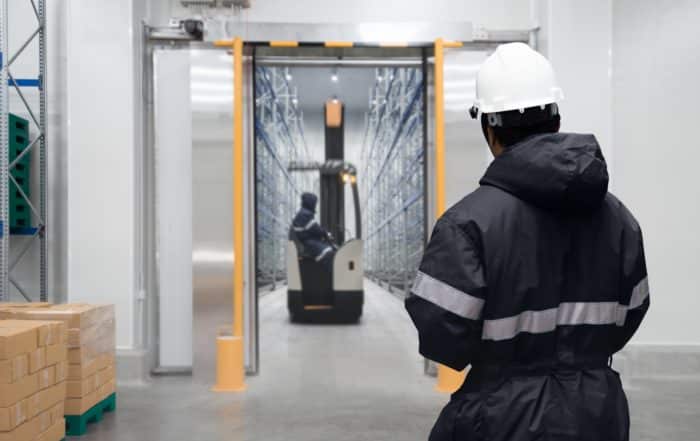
x,y
536,278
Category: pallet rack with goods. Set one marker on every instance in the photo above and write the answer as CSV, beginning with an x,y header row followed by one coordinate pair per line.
x,y
279,128
393,158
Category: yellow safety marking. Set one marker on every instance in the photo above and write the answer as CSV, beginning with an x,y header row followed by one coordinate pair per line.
x,y
449,380
284,44
317,307
339,44
230,356
452,44
223,43
238,194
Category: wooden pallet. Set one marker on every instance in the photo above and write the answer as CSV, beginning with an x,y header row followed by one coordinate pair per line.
x,y
76,425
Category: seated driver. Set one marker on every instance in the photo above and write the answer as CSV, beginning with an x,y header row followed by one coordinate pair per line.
x,y
316,239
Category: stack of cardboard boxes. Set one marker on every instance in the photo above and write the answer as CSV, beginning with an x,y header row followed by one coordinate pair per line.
x,y
90,342
33,371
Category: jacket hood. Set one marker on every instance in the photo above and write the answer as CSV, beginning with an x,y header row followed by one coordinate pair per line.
x,y
555,171
308,201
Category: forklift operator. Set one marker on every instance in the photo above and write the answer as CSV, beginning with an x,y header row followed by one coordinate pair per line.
x,y
316,241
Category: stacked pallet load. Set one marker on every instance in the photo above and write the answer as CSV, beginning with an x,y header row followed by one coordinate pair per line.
x,y
91,379
33,372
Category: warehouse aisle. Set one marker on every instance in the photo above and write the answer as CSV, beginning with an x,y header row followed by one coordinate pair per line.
x,y
339,382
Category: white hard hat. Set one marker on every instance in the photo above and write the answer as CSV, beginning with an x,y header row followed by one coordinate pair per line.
x,y
515,77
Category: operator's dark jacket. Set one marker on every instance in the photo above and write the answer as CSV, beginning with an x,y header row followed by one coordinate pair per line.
x,y
308,231
535,280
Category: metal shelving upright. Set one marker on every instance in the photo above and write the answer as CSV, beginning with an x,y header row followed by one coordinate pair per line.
x,y
393,158
37,115
279,128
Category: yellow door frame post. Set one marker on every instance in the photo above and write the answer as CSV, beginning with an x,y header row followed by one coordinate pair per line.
x,y
448,380
230,372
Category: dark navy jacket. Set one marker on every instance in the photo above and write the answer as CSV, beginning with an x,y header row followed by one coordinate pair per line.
x,y
308,231
535,280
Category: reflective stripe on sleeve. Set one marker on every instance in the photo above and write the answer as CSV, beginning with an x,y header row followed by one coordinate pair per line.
x,y
566,314
323,253
306,227
639,293
447,297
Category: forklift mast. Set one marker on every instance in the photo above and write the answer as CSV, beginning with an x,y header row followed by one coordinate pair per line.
x,y
332,187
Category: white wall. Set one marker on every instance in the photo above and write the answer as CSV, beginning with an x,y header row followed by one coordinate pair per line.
x,y
493,14
101,135
577,38
655,97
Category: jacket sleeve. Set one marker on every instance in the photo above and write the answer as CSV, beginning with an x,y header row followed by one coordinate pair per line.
x,y
448,296
635,286
306,227
316,231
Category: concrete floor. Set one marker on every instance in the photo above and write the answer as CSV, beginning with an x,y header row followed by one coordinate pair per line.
x,y
341,382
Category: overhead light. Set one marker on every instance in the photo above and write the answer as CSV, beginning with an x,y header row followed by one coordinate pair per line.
x,y
288,75
295,101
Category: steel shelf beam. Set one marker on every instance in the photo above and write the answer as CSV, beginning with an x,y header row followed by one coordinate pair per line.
x,y
38,115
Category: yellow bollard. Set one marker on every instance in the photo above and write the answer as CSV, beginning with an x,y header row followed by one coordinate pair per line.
x,y
230,376
449,380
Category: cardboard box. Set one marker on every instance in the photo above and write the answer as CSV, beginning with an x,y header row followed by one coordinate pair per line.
x,y
45,420
37,360
13,416
78,406
81,355
334,113
61,371
56,354
105,375
46,399
58,411
27,305
48,332
15,392
56,432
82,371
17,341
27,431
106,390
13,370
75,315
103,330
81,388
47,377
42,328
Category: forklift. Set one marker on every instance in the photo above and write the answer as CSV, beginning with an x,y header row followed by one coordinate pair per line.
x,y
313,292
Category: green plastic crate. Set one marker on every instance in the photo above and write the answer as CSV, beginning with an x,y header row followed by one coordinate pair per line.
x,y
20,213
